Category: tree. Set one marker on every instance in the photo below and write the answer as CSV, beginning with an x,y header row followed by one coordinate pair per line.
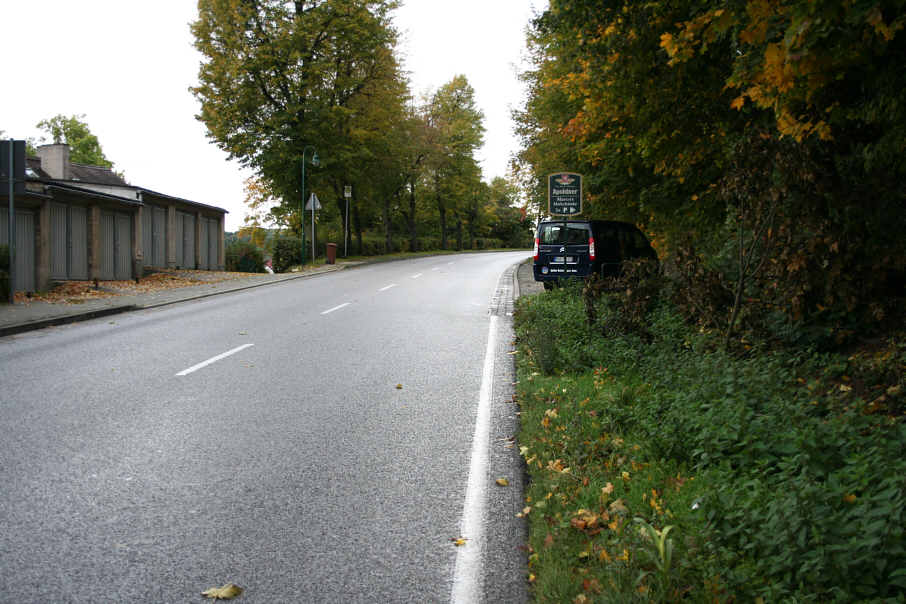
x,y
766,132
280,76
457,132
84,147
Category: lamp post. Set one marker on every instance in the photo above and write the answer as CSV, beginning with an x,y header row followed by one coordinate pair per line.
x,y
315,162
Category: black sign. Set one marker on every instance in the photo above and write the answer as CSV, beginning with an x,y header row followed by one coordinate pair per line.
x,y
564,193
18,166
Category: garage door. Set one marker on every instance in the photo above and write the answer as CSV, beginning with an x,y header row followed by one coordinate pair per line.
x,y
68,242
116,246
25,246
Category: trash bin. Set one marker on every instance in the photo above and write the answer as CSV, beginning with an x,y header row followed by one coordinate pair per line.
x,y
331,253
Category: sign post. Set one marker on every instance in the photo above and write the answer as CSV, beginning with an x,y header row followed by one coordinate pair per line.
x,y
564,194
347,193
313,204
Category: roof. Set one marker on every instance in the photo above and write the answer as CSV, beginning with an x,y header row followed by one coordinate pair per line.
x,y
96,175
34,164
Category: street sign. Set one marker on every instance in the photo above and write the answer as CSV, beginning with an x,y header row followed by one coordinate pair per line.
x,y
347,191
313,203
564,193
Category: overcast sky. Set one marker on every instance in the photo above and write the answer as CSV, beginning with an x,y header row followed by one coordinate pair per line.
x,y
127,66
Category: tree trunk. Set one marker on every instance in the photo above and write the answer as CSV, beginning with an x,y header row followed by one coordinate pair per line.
x,y
413,234
357,224
459,234
385,211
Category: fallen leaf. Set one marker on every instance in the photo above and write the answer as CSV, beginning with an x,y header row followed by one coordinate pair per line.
x,y
243,333
503,482
458,541
227,592
849,498
399,386
607,490
549,540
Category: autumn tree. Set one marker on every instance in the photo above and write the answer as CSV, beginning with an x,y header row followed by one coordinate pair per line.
x,y
763,126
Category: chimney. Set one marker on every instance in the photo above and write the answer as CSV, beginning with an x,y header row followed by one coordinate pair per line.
x,y
55,160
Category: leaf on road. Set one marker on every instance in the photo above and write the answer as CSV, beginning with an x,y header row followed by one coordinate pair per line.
x,y
243,333
458,541
503,482
399,386
227,592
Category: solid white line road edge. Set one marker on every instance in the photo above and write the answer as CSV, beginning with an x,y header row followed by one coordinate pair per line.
x,y
383,289
338,307
467,574
212,360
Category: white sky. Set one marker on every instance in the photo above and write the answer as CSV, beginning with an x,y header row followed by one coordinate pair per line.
x,y
127,66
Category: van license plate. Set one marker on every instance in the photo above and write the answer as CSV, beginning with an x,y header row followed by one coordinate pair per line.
x,y
558,260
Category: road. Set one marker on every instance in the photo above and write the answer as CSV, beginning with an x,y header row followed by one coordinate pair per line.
x,y
260,438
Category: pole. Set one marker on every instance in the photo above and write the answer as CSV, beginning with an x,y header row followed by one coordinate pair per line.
x,y
346,231
12,226
313,255
302,211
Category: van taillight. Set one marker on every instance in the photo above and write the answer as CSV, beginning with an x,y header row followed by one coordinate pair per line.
x,y
535,251
591,248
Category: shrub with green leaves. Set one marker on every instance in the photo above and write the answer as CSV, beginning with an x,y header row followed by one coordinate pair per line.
x,y
287,253
244,257
783,472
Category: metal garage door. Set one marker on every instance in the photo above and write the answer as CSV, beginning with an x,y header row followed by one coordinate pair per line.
x,y
203,245
188,250
25,246
68,242
116,246
213,247
154,236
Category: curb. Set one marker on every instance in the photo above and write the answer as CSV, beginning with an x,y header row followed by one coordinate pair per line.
x,y
18,328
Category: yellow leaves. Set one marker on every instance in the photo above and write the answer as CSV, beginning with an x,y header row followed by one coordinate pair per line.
x,y
738,102
227,592
399,386
458,541
607,489
503,482
850,498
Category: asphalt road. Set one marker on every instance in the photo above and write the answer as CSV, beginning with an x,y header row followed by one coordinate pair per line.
x,y
293,466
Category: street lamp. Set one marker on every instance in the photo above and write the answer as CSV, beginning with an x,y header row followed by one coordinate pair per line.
x,y
315,162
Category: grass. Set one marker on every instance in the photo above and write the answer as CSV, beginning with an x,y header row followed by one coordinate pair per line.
x,y
665,469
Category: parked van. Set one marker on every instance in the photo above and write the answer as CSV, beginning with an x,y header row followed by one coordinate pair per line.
x,y
579,248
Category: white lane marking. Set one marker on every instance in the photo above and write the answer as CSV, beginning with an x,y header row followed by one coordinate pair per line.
x,y
416,275
467,576
338,307
436,268
450,263
212,360
383,289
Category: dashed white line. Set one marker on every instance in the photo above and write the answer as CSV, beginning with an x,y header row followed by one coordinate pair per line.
x,y
212,360
416,275
436,268
338,307
386,287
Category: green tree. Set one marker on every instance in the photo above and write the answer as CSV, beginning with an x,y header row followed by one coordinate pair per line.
x,y
71,130
457,131
280,76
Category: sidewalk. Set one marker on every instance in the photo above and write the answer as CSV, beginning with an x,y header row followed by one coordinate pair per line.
x,y
37,314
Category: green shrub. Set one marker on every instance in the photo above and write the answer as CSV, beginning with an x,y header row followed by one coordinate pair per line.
x,y
800,481
244,257
287,253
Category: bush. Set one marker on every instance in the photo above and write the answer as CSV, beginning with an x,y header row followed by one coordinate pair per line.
x,y
244,257
287,253
800,480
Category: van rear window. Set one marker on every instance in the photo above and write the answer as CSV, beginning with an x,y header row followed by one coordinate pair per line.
x,y
560,233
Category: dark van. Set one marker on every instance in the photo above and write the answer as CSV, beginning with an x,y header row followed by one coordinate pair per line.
x,y
579,248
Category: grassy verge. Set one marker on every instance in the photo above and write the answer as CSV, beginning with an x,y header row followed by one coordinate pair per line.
x,y
663,468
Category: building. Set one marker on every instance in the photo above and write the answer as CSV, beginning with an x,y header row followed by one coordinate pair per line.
x,y
78,222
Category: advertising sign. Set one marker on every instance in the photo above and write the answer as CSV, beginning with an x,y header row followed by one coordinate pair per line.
x,y
564,194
